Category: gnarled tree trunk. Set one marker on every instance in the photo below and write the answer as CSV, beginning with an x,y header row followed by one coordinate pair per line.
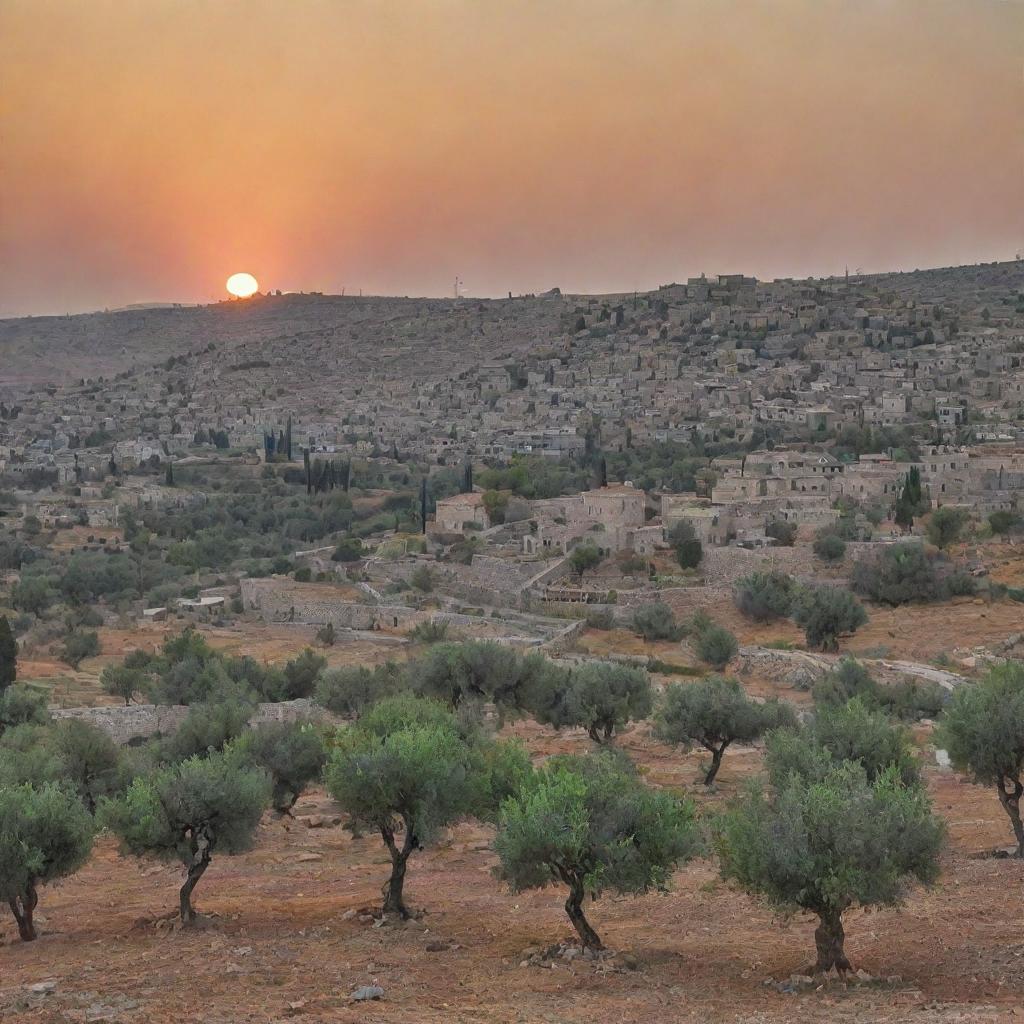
x,y
23,907
393,888
1010,791
829,938
716,760
202,851
574,908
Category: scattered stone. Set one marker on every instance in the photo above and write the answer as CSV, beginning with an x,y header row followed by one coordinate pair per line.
x,y
436,946
309,858
43,988
367,992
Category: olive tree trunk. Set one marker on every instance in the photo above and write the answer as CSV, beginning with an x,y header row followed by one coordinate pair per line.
x,y
393,888
1010,791
829,938
23,907
202,852
716,760
574,908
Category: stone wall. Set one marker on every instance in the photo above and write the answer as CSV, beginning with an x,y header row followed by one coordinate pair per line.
x,y
143,721
278,601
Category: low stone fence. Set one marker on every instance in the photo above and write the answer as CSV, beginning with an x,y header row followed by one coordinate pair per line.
x,y
136,722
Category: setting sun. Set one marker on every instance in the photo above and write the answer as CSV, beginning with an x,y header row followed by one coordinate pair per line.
x,y
242,285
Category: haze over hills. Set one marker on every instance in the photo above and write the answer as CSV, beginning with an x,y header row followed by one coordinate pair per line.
x,y
53,349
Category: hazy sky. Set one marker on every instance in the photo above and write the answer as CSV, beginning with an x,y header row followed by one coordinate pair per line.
x,y
149,148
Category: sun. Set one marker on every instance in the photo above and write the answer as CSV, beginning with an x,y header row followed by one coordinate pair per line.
x,y
242,285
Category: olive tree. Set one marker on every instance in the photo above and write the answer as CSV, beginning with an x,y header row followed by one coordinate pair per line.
x,y
656,622
407,769
91,763
763,596
475,670
826,614
599,696
123,682
351,689
825,844
983,731
292,754
186,811
45,834
713,713
946,524
592,825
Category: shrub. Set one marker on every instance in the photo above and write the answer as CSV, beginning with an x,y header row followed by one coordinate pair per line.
x,y
656,622
33,594
79,645
898,574
715,646
327,635
408,780
422,579
847,732
300,675
826,614
185,811
207,728
714,713
349,549
764,596
829,546
782,531
21,705
983,730
599,696
291,753
591,824
430,631
602,618
91,764
909,699
1002,521
349,691
688,549
45,834
826,844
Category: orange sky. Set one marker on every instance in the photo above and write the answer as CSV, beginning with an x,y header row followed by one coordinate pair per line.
x,y
148,148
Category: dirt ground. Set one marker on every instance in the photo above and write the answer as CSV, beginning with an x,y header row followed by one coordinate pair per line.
x,y
284,939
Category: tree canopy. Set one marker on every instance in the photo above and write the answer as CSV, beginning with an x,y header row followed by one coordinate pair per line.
x,y
983,731
714,713
829,843
188,810
45,834
592,825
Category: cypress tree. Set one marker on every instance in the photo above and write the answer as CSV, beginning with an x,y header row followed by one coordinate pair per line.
x,y
8,654
423,505
288,438
305,465
169,475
